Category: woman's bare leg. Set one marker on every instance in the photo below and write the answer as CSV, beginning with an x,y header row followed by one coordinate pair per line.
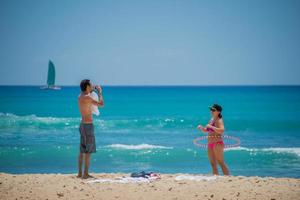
x,y
213,161
219,154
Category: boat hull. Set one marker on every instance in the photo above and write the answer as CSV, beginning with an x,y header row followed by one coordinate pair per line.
x,y
50,88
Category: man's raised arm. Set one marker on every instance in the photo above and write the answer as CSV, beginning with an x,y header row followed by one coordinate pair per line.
x,y
100,102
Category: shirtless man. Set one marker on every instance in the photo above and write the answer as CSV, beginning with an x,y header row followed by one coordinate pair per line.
x,y
87,137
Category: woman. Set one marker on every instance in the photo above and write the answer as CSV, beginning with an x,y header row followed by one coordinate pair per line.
x,y
215,147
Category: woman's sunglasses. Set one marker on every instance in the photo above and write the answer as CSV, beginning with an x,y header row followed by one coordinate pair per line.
x,y
213,110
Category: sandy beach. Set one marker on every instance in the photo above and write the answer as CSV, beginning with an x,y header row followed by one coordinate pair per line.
x,y
67,186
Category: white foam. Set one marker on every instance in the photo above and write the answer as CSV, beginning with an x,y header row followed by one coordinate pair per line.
x,y
195,178
291,150
12,118
169,120
284,150
137,147
237,149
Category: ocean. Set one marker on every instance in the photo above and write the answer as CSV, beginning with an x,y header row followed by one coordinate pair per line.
x,y
151,129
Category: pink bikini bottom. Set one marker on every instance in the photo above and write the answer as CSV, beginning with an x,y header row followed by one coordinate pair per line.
x,y
212,144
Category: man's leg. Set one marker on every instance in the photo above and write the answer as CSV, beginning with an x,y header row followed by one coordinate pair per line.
x,y
87,164
90,148
80,157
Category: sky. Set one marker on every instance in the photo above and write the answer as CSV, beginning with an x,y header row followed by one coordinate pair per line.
x,y
154,42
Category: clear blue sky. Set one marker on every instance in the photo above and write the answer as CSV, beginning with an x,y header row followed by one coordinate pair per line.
x,y
154,42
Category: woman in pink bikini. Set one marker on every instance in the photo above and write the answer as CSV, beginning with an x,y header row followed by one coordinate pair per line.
x,y
215,147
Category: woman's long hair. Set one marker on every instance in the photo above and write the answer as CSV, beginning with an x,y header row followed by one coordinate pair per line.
x,y
220,116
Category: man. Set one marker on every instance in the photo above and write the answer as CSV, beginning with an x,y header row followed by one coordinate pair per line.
x,y
87,137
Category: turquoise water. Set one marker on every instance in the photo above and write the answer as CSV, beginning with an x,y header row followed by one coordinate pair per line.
x,y
151,128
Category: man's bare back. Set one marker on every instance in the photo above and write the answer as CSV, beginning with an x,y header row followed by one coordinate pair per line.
x,y
85,108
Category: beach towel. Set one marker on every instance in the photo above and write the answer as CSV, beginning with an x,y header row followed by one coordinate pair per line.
x,y
195,178
123,180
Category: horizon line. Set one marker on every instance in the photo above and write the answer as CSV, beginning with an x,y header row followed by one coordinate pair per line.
x,y
164,85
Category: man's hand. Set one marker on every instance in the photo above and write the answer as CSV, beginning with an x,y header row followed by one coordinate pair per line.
x,y
100,97
99,89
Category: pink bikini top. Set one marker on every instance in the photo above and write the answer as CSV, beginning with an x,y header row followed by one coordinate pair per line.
x,y
212,122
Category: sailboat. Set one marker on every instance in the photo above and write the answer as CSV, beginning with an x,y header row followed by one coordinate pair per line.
x,y
51,78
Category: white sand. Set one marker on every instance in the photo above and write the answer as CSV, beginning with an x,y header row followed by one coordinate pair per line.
x,y
57,186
